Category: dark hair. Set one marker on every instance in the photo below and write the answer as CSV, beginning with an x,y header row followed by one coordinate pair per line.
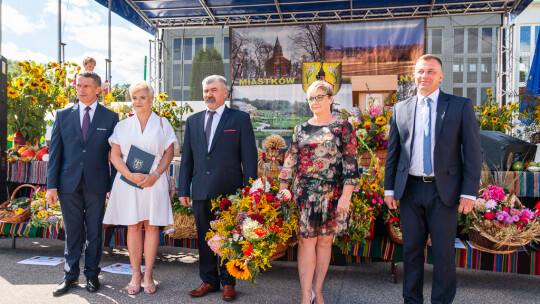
x,y
427,57
90,74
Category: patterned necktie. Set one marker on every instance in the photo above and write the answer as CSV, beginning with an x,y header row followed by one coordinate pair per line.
x,y
85,122
208,129
428,168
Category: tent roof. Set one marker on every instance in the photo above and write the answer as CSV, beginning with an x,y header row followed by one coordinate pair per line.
x,y
152,14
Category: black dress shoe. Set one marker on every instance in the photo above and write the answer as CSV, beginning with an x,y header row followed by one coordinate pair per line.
x,y
92,284
65,286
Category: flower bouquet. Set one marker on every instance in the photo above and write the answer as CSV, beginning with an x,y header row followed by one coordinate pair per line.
x,y
499,223
251,227
495,118
44,214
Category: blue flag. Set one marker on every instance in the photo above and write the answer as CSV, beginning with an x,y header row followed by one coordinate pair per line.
x,y
528,101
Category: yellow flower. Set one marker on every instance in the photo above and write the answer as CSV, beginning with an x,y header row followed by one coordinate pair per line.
x,y
44,88
33,99
238,270
12,93
381,121
19,84
484,121
33,85
374,187
173,103
367,124
493,108
48,101
489,91
54,65
19,210
476,108
60,99
505,126
162,97
37,72
494,119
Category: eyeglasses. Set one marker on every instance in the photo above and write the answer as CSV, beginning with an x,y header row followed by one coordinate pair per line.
x,y
318,98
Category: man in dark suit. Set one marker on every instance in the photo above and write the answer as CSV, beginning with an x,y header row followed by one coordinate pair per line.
x,y
219,156
433,167
78,173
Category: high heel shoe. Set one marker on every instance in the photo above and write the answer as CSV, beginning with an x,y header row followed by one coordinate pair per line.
x,y
149,288
135,288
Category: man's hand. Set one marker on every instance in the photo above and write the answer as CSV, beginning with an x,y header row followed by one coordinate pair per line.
x,y
465,205
184,200
51,196
390,202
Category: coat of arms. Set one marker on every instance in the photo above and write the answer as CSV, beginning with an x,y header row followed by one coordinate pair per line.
x,y
331,72
137,163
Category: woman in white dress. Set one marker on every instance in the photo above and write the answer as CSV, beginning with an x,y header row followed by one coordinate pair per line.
x,y
149,207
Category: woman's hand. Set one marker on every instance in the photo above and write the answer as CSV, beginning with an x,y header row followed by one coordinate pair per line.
x,y
148,181
344,203
136,178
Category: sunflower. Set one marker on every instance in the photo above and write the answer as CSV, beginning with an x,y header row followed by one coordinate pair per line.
x,y
33,85
374,187
19,84
381,121
476,108
60,99
12,93
238,270
493,108
367,124
44,88
37,72
173,103
33,99
54,65
484,121
489,91
494,119
505,126
161,97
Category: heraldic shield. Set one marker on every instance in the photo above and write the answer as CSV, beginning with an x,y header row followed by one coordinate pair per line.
x,y
332,72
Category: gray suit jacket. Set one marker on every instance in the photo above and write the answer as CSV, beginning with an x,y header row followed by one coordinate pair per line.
x,y
457,159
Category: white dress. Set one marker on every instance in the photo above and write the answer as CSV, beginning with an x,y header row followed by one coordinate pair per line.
x,y
129,205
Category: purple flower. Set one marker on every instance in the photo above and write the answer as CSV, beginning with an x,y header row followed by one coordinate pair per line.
x,y
385,144
515,218
491,204
241,216
500,216
528,213
509,220
515,211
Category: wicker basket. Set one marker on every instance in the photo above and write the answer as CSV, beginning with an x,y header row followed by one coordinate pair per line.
x,y
380,155
396,239
482,243
21,217
281,249
184,227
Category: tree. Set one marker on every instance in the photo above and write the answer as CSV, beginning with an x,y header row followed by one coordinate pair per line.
x,y
207,62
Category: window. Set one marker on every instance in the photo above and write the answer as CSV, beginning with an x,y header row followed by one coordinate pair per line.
x,y
524,66
485,69
177,75
458,91
525,39
177,49
226,47
536,33
198,45
188,51
177,94
458,70
472,70
436,41
187,75
459,40
472,40
227,67
471,93
487,39
209,42
483,98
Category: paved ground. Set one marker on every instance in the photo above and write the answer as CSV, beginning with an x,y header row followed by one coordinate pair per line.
x,y
177,272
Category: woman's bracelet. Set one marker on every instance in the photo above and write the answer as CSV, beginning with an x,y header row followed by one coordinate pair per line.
x,y
157,174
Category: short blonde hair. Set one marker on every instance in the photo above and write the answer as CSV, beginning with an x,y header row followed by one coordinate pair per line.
x,y
88,60
141,85
325,85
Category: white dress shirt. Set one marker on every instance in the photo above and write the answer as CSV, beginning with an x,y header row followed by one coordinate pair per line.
x,y
215,122
82,111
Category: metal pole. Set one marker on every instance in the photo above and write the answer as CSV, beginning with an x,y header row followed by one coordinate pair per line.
x,y
108,76
0,26
60,31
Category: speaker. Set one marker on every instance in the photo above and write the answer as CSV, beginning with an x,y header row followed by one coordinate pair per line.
x,y
497,147
3,129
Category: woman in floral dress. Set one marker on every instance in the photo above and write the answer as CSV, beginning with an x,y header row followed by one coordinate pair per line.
x,y
323,162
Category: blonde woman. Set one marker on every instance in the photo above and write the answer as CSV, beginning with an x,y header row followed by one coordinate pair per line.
x,y
323,159
150,206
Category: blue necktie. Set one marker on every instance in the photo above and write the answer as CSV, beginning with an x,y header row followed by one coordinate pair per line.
x,y
428,168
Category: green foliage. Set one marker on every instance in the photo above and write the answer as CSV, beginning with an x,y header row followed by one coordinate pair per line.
x,y
207,62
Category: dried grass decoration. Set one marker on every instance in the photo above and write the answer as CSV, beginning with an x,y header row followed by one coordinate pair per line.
x,y
184,222
272,144
500,223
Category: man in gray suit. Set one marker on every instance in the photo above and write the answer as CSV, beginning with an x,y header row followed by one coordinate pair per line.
x,y
433,169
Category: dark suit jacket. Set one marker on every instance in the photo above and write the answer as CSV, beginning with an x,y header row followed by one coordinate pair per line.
x,y
229,165
457,159
71,157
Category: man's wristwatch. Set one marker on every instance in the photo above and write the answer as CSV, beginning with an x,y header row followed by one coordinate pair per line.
x,y
157,174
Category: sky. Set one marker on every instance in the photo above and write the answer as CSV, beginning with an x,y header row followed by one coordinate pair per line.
x,y
30,32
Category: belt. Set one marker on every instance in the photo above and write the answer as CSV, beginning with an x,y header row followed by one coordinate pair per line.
x,y
425,179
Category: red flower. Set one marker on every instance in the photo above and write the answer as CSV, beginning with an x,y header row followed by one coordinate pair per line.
x,y
537,206
259,231
249,251
258,218
519,226
279,220
130,114
269,197
489,215
225,204
394,219
506,209
276,228
524,219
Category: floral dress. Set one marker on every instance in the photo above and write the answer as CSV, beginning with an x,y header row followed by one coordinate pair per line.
x,y
324,159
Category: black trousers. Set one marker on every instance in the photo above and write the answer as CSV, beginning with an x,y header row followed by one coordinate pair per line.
x,y
423,213
82,211
208,261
